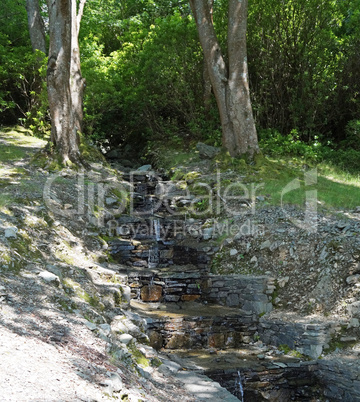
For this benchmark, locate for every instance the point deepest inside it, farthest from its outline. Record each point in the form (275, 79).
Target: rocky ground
(67, 332)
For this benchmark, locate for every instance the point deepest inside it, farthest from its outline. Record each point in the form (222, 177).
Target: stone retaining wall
(167, 286)
(340, 378)
(309, 339)
(201, 332)
(250, 293)
(335, 379)
(282, 382)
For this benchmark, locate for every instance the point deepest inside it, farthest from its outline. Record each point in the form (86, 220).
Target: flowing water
(154, 255)
(239, 387)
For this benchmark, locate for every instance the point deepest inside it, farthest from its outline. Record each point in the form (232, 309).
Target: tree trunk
(206, 76)
(230, 83)
(238, 97)
(77, 82)
(63, 131)
(36, 25)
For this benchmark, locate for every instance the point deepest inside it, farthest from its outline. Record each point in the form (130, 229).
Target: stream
(196, 316)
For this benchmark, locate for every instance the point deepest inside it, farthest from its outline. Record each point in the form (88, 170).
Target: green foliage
(149, 87)
(346, 158)
(144, 70)
(16, 72)
(298, 51)
(36, 118)
(23, 94)
(352, 135)
(273, 143)
(290, 352)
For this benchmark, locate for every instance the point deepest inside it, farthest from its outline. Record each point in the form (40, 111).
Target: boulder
(10, 233)
(216, 341)
(125, 338)
(49, 277)
(113, 154)
(144, 168)
(207, 151)
(156, 340)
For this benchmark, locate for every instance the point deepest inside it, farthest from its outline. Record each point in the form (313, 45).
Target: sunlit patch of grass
(172, 159)
(15, 144)
(11, 153)
(5, 201)
(290, 181)
(21, 137)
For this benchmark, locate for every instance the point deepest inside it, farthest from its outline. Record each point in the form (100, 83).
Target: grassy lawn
(282, 180)
(16, 144)
(335, 189)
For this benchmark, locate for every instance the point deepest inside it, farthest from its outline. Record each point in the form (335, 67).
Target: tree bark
(206, 76)
(77, 82)
(36, 26)
(229, 82)
(63, 131)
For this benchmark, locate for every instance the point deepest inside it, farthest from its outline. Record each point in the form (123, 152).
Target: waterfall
(154, 255)
(239, 387)
(157, 229)
(153, 258)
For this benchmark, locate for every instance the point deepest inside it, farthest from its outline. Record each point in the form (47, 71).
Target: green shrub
(275, 144)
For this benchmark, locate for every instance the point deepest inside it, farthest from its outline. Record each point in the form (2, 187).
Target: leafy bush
(352, 135)
(273, 143)
(346, 159)
(302, 64)
(149, 88)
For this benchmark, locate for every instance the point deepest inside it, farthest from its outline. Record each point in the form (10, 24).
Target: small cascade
(154, 253)
(210, 319)
(151, 283)
(154, 257)
(166, 281)
(157, 229)
(239, 389)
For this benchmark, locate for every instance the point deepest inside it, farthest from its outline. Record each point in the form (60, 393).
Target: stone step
(191, 325)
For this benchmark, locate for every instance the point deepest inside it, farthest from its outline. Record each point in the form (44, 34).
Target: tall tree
(65, 84)
(77, 82)
(36, 25)
(229, 80)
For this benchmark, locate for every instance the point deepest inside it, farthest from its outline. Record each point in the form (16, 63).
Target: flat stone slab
(243, 359)
(203, 388)
(185, 309)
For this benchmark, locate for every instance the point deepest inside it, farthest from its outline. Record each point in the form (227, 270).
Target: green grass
(5, 201)
(172, 159)
(335, 188)
(15, 145)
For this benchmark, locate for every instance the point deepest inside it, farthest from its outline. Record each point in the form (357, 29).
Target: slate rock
(126, 338)
(144, 168)
(353, 279)
(49, 277)
(113, 154)
(10, 233)
(207, 151)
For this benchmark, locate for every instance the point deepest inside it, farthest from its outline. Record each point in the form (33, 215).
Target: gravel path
(32, 370)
